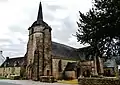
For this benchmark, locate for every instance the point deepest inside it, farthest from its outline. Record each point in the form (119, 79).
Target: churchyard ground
(29, 82)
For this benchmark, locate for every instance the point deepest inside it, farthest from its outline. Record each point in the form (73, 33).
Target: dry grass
(72, 82)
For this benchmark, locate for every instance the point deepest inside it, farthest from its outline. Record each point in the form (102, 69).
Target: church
(47, 58)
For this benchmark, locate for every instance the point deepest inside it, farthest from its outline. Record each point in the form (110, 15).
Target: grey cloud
(67, 29)
(13, 54)
(49, 16)
(54, 7)
(6, 40)
(31, 13)
(50, 10)
(22, 41)
(13, 49)
(3, 0)
(17, 28)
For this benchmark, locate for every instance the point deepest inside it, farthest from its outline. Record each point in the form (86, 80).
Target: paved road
(26, 82)
(6, 83)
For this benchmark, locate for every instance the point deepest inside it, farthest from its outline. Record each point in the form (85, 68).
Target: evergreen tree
(99, 27)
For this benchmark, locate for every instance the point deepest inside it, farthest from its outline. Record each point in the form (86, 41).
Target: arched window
(60, 66)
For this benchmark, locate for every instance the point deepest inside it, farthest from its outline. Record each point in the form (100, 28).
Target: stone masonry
(99, 81)
(39, 62)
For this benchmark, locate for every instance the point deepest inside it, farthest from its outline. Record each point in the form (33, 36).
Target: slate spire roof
(39, 20)
(40, 14)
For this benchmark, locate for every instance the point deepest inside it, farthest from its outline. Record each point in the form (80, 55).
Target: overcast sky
(17, 15)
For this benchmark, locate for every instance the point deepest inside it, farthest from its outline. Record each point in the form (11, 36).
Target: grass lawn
(3, 78)
(73, 82)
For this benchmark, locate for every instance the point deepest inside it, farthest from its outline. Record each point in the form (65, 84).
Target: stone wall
(99, 81)
(55, 66)
(7, 71)
(39, 61)
(87, 68)
(1, 71)
(64, 63)
(31, 47)
(70, 74)
(47, 52)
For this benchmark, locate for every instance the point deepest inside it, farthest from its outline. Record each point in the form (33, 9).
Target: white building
(2, 58)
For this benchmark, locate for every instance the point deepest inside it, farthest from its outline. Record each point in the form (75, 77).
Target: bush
(23, 78)
(14, 77)
(2, 77)
(49, 79)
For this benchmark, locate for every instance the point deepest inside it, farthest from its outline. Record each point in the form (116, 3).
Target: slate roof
(38, 23)
(11, 62)
(118, 60)
(110, 63)
(84, 53)
(66, 52)
(115, 60)
(63, 51)
(71, 66)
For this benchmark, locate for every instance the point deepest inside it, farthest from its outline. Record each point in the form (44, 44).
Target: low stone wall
(49, 79)
(99, 81)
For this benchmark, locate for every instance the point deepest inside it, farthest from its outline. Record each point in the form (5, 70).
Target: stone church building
(47, 58)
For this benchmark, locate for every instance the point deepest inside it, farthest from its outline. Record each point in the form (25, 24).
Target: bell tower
(39, 60)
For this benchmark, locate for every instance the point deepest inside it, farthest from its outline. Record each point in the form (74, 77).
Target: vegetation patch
(73, 82)
(1, 77)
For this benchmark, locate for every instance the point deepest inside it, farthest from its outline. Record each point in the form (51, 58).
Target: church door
(48, 72)
(78, 72)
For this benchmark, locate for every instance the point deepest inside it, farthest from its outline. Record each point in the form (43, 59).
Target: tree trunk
(116, 70)
(95, 65)
(101, 66)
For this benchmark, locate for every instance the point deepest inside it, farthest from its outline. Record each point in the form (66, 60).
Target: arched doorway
(86, 73)
(78, 72)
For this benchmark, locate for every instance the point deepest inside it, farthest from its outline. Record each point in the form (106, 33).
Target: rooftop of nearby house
(112, 62)
(11, 62)
(109, 63)
(118, 60)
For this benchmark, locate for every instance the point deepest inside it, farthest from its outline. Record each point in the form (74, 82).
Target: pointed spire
(40, 14)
